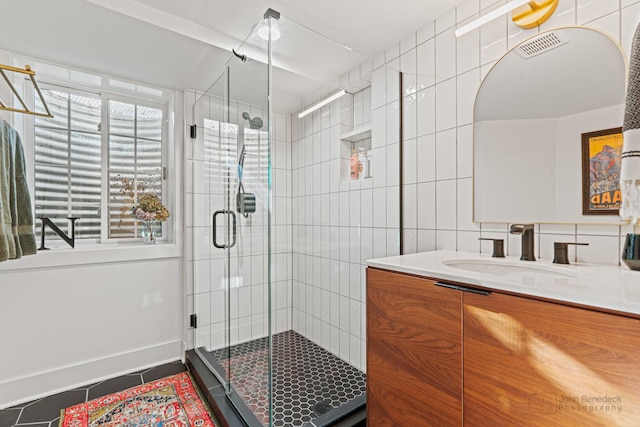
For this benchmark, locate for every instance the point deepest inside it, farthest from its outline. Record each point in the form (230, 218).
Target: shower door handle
(215, 229)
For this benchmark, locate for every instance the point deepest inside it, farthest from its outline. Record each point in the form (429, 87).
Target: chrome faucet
(526, 231)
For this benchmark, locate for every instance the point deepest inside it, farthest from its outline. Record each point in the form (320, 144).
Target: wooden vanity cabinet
(536, 363)
(414, 352)
(525, 362)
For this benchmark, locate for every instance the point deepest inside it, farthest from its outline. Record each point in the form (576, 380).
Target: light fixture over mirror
(524, 13)
(529, 116)
(534, 13)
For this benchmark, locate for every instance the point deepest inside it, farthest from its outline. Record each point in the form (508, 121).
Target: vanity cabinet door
(414, 353)
(534, 363)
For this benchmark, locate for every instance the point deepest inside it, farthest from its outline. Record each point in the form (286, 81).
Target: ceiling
(185, 44)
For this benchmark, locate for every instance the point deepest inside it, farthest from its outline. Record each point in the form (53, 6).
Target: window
(135, 161)
(68, 162)
(83, 168)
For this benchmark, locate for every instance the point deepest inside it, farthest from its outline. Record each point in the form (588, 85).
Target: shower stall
(278, 314)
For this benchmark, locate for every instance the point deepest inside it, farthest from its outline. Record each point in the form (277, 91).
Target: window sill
(93, 254)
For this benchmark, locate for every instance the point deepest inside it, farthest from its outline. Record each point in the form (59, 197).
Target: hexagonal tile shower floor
(308, 380)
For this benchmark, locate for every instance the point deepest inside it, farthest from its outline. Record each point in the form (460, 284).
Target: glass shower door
(211, 178)
(232, 122)
(310, 369)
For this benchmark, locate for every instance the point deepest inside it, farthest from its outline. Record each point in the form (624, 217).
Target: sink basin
(503, 268)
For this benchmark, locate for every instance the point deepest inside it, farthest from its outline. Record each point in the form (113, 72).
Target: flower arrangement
(150, 208)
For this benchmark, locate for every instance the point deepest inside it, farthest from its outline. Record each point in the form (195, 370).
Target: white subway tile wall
(349, 221)
(438, 154)
(326, 227)
(439, 138)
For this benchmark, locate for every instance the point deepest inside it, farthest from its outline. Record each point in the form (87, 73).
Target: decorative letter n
(71, 241)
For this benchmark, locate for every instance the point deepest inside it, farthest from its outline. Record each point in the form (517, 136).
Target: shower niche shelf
(357, 135)
(358, 140)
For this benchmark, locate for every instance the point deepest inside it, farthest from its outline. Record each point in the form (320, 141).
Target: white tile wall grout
(341, 294)
(304, 250)
(441, 30)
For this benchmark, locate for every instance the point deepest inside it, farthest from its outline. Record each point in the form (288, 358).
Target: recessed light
(263, 32)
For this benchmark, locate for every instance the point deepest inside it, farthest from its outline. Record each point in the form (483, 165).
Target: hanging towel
(16, 218)
(630, 163)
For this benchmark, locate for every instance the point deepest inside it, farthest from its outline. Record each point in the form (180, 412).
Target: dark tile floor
(45, 412)
(308, 381)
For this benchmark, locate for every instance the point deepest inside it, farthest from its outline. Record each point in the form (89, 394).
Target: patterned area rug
(172, 401)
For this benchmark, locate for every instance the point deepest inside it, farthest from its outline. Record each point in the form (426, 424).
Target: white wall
(72, 325)
(516, 148)
(452, 69)
(442, 76)
(136, 305)
(71, 317)
(552, 193)
(339, 223)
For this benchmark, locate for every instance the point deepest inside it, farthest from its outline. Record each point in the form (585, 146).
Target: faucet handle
(498, 247)
(561, 251)
(520, 228)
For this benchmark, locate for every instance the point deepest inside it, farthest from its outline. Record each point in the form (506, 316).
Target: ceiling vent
(539, 45)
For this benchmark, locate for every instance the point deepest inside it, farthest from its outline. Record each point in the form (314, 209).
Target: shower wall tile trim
(337, 223)
(441, 75)
(321, 248)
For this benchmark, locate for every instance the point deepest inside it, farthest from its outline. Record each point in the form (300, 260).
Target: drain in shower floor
(322, 407)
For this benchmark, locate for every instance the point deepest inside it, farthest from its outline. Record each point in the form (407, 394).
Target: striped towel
(630, 164)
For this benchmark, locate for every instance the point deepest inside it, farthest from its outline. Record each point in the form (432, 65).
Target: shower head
(255, 123)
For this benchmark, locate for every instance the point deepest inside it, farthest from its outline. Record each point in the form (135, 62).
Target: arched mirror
(530, 114)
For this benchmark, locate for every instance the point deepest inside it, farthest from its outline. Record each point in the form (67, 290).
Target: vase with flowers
(149, 211)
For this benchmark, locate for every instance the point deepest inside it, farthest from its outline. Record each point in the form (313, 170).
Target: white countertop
(599, 286)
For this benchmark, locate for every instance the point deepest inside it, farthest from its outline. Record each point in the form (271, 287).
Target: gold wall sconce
(534, 13)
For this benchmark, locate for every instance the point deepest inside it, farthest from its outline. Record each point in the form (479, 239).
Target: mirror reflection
(530, 113)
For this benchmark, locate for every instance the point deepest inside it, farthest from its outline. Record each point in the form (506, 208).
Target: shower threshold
(311, 386)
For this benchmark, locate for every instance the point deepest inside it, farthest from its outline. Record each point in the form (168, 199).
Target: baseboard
(18, 390)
